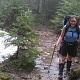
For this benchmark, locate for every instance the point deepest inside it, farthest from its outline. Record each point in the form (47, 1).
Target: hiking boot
(60, 77)
(61, 67)
(68, 66)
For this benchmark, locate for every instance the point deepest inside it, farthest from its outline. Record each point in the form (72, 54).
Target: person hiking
(68, 40)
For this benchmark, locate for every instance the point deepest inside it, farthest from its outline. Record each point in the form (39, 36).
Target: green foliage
(25, 60)
(13, 9)
(16, 21)
(66, 7)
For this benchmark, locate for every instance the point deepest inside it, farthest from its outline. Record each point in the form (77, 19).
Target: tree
(65, 7)
(16, 21)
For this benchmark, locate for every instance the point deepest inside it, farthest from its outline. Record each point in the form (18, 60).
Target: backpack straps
(77, 30)
(66, 29)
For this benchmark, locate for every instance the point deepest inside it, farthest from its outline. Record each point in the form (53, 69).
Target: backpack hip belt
(75, 43)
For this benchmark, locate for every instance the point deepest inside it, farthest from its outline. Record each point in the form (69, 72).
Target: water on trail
(45, 63)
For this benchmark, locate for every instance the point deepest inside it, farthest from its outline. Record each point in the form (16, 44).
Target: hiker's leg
(61, 66)
(62, 59)
(69, 61)
(63, 52)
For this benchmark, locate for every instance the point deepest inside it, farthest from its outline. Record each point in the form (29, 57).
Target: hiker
(68, 39)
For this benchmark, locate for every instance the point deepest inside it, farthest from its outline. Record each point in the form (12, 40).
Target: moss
(3, 76)
(75, 73)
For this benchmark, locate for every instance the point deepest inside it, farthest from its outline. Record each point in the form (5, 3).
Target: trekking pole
(51, 60)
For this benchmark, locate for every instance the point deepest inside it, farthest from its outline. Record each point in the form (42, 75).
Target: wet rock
(13, 77)
(75, 73)
(45, 67)
(26, 77)
(40, 76)
(76, 61)
(32, 77)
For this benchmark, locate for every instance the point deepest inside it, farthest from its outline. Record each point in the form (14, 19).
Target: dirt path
(46, 41)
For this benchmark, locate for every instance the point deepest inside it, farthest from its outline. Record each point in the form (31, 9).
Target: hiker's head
(73, 21)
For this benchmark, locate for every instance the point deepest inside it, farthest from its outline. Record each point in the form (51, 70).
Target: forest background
(20, 18)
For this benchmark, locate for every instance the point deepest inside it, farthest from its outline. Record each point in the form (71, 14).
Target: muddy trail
(45, 63)
(45, 69)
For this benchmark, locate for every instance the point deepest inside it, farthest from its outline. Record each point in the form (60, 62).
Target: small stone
(76, 61)
(39, 76)
(26, 77)
(45, 67)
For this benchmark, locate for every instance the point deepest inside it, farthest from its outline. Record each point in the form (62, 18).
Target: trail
(46, 41)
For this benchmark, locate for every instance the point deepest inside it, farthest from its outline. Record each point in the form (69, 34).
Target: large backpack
(66, 19)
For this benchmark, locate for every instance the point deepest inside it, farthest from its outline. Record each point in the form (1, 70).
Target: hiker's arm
(60, 37)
